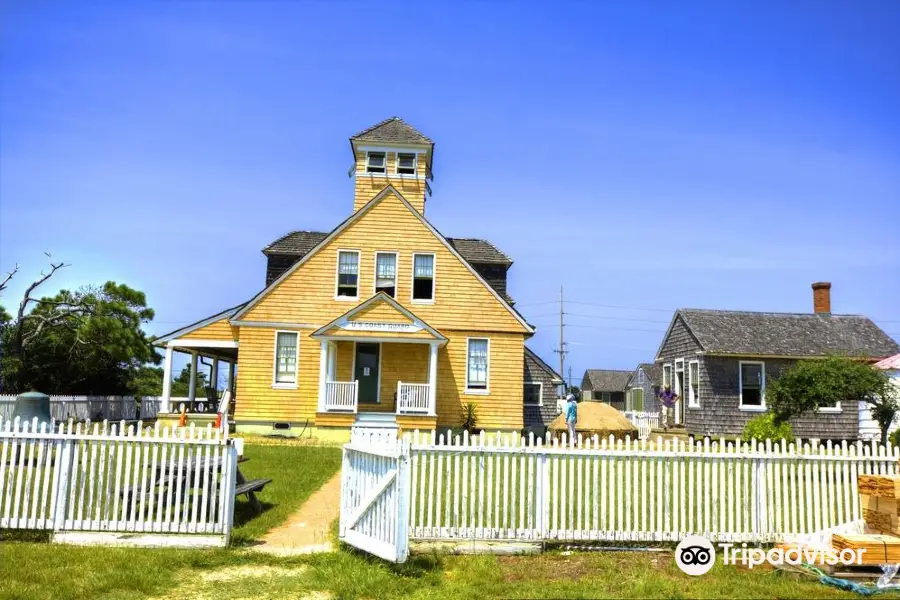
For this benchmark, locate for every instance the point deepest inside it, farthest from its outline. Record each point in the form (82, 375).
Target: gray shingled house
(720, 361)
(642, 388)
(543, 386)
(605, 385)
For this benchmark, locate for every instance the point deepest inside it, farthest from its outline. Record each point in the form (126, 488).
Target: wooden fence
(108, 483)
(81, 408)
(512, 488)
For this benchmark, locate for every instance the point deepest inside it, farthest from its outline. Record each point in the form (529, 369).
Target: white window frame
(487, 377)
(396, 272)
(412, 280)
(640, 377)
(285, 385)
(384, 166)
(762, 386)
(667, 367)
(540, 385)
(693, 402)
(415, 156)
(337, 274)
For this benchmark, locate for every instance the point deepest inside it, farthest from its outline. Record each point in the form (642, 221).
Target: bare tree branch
(8, 277)
(20, 338)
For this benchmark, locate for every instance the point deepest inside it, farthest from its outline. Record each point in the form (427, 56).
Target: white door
(678, 388)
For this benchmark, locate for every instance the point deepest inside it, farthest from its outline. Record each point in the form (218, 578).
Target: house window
(406, 163)
(423, 277)
(636, 398)
(694, 384)
(348, 274)
(667, 376)
(752, 385)
(478, 364)
(374, 162)
(640, 377)
(533, 393)
(286, 358)
(386, 273)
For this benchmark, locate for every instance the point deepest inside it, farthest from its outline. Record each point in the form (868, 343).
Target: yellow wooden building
(381, 315)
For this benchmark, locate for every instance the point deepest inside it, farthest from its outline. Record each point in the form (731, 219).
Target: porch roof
(411, 328)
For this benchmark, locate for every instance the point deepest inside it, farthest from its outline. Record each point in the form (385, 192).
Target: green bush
(894, 438)
(763, 428)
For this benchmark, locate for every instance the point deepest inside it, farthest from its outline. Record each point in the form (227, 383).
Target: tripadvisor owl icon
(695, 555)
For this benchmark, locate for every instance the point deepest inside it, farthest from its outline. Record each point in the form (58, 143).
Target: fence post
(760, 524)
(542, 501)
(404, 490)
(62, 481)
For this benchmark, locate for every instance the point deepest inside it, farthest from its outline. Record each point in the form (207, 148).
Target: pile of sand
(597, 418)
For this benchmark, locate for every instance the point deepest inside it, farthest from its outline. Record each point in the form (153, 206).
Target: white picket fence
(646, 422)
(512, 488)
(80, 408)
(108, 483)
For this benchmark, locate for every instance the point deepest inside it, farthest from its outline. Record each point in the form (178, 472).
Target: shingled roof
(607, 380)
(473, 250)
(786, 334)
(392, 130)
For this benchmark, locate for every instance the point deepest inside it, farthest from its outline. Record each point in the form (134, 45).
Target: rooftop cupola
(394, 153)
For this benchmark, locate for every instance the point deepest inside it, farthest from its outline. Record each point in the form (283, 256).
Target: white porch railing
(414, 398)
(644, 421)
(341, 396)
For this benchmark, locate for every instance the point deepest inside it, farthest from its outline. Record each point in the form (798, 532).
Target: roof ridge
(391, 120)
(767, 312)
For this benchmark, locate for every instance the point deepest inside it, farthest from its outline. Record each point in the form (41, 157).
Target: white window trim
(415, 172)
(762, 386)
(540, 385)
(666, 366)
(337, 273)
(283, 385)
(830, 409)
(487, 375)
(692, 401)
(412, 279)
(384, 166)
(396, 272)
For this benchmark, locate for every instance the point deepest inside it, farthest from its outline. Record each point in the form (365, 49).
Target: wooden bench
(249, 488)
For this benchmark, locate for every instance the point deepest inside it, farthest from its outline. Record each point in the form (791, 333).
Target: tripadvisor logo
(695, 555)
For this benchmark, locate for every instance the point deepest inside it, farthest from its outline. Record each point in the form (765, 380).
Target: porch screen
(386, 274)
(423, 277)
(286, 357)
(348, 274)
(477, 377)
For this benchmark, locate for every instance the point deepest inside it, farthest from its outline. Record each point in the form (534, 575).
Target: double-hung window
(423, 278)
(285, 359)
(667, 376)
(533, 392)
(694, 384)
(406, 163)
(348, 274)
(477, 365)
(386, 273)
(375, 162)
(752, 384)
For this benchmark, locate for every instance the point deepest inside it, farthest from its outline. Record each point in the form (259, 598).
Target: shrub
(894, 438)
(763, 428)
(469, 417)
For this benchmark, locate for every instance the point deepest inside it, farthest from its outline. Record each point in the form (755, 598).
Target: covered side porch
(381, 358)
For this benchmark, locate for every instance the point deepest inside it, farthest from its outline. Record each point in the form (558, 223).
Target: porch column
(432, 379)
(192, 386)
(167, 382)
(323, 372)
(214, 375)
(332, 360)
(231, 385)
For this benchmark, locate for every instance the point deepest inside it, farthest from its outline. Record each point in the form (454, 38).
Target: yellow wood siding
(220, 330)
(413, 422)
(461, 300)
(367, 185)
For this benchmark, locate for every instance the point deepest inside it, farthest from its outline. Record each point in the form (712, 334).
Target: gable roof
(225, 314)
(380, 297)
(557, 378)
(393, 130)
(785, 334)
(607, 380)
(652, 371)
(356, 216)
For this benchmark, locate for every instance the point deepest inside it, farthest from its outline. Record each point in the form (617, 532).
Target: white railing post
(432, 379)
(167, 382)
(323, 367)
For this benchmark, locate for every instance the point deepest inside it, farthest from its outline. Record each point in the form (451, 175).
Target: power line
(657, 331)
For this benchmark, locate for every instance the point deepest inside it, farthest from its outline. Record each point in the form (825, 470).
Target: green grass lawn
(39, 570)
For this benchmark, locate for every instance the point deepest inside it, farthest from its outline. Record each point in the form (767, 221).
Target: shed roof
(786, 334)
(607, 380)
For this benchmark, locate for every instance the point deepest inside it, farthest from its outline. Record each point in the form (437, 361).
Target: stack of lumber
(879, 549)
(879, 497)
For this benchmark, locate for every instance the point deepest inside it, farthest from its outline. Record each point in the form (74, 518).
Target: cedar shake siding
(649, 385)
(538, 418)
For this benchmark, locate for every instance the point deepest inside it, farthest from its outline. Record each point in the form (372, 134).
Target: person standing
(571, 416)
(668, 399)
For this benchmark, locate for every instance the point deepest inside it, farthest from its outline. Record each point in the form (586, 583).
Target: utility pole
(562, 343)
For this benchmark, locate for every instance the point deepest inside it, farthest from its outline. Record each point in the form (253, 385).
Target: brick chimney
(822, 297)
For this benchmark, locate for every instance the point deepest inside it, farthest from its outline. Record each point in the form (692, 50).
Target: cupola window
(406, 163)
(375, 162)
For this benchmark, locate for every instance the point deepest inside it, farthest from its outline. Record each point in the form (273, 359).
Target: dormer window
(374, 162)
(406, 163)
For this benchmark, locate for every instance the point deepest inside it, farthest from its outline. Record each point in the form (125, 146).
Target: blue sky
(646, 155)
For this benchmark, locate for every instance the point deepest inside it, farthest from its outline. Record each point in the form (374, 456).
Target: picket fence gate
(517, 489)
(117, 484)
